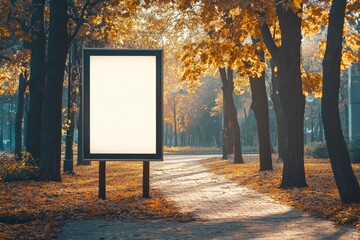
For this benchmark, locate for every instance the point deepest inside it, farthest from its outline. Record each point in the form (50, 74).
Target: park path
(223, 210)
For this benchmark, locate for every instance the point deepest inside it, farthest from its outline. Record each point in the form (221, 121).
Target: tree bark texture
(37, 79)
(292, 97)
(275, 97)
(19, 115)
(261, 110)
(50, 155)
(228, 131)
(228, 89)
(346, 181)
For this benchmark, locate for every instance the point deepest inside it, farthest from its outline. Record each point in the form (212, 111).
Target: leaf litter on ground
(320, 198)
(35, 210)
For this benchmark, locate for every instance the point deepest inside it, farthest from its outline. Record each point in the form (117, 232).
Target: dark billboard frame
(85, 114)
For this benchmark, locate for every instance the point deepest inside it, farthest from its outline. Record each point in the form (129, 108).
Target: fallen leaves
(320, 198)
(192, 150)
(42, 205)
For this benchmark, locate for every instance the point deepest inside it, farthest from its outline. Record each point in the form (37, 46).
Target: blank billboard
(122, 111)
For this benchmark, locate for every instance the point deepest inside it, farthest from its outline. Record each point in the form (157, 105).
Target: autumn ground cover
(203, 150)
(191, 150)
(40, 207)
(320, 198)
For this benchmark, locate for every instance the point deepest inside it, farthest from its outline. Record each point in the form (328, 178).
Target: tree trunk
(70, 142)
(261, 110)
(246, 131)
(26, 114)
(217, 131)
(71, 96)
(227, 131)
(1, 126)
(228, 89)
(321, 129)
(165, 134)
(200, 135)
(175, 120)
(275, 97)
(37, 79)
(19, 116)
(346, 181)
(292, 98)
(10, 131)
(50, 155)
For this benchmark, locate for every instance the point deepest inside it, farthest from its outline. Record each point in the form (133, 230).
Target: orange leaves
(95, 20)
(76, 197)
(4, 32)
(296, 5)
(4, 235)
(312, 83)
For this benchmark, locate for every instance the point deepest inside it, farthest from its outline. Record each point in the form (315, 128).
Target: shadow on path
(224, 210)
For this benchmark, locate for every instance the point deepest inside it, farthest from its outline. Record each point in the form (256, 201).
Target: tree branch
(269, 40)
(87, 6)
(223, 76)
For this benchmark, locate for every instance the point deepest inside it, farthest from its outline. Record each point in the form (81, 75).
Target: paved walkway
(223, 210)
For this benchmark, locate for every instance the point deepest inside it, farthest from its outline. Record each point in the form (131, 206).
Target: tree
(261, 110)
(37, 79)
(275, 98)
(20, 113)
(58, 44)
(227, 79)
(287, 58)
(339, 157)
(50, 153)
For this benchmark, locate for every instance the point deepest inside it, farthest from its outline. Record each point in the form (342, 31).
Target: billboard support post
(102, 180)
(146, 179)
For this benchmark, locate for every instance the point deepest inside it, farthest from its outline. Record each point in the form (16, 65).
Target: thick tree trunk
(261, 110)
(50, 155)
(292, 98)
(19, 115)
(37, 79)
(275, 97)
(228, 89)
(346, 181)
(227, 131)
